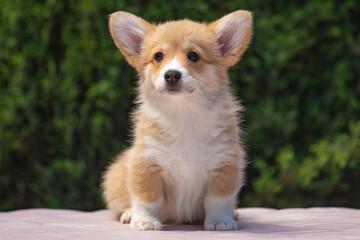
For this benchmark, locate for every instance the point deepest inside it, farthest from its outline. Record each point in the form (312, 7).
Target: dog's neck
(199, 115)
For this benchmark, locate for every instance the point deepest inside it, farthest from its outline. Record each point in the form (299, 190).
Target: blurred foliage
(66, 92)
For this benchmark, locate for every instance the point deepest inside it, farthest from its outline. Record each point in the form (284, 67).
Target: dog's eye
(193, 56)
(158, 56)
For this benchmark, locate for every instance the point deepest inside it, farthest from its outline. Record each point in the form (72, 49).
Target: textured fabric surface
(254, 223)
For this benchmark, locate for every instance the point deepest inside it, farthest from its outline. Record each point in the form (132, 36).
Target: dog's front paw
(218, 223)
(147, 225)
(126, 216)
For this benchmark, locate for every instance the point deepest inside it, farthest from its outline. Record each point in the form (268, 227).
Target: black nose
(172, 76)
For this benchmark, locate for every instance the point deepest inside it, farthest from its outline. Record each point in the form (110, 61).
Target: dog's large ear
(128, 32)
(233, 33)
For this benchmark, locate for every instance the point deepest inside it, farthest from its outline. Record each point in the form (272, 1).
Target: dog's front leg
(146, 186)
(146, 215)
(219, 201)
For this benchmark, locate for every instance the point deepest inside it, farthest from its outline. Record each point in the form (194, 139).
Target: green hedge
(65, 95)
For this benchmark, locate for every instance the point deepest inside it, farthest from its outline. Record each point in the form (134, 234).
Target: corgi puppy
(186, 163)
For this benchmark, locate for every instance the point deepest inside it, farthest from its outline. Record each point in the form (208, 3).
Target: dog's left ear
(128, 32)
(233, 33)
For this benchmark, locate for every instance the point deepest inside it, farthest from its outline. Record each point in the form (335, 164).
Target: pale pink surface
(254, 223)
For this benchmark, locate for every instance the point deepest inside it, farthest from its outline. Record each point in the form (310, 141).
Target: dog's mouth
(173, 89)
(177, 90)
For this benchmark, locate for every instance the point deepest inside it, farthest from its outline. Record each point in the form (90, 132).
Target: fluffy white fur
(146, 216)
(195, 135)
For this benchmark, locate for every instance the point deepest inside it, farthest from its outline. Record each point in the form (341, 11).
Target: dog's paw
(126, 216)
(220, 224)
(236, 215)
(146, 225)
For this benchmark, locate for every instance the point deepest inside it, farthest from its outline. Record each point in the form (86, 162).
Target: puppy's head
(181, 58)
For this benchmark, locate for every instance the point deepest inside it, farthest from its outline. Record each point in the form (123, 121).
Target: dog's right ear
(128, 32)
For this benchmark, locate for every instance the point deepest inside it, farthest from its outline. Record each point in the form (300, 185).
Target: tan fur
(145, 180)
(145, 177)
(226, 180)
(137, 172)
(116, 194)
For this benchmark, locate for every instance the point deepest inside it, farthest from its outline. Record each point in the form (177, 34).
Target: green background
(66, 93)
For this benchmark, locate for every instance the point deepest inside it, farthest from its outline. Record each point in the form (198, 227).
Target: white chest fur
(195, 145)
